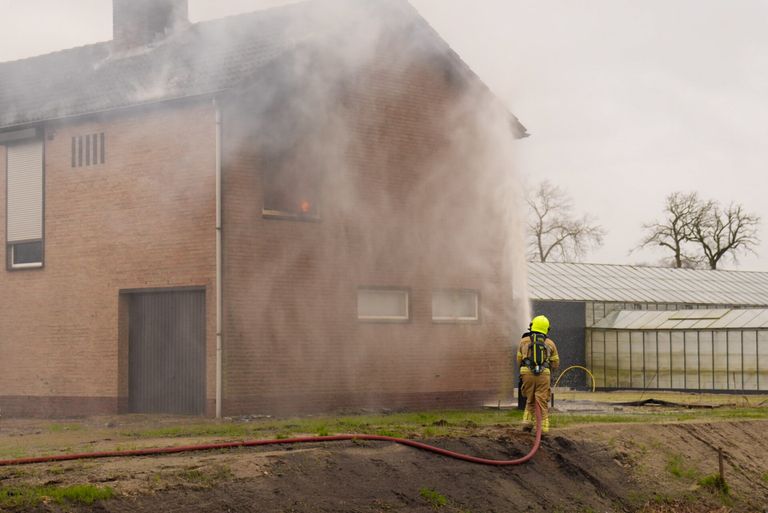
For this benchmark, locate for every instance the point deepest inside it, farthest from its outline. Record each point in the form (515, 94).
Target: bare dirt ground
(584, 467)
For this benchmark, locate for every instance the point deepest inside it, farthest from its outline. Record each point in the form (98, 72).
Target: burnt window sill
(278, 215)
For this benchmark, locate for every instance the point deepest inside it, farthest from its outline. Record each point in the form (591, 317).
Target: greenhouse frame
(657, 328)
(681, 350)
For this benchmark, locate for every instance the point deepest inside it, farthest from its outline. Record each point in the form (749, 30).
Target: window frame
(385, 318)
(457, 320)
(11, 252)
(271, 170)
(7, 139)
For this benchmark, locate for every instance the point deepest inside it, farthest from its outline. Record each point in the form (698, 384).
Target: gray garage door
(167, 352)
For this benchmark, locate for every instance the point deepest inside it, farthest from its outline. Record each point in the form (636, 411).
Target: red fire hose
(253, 443)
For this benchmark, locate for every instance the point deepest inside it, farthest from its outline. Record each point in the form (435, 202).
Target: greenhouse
(654, 327)
(704, 349)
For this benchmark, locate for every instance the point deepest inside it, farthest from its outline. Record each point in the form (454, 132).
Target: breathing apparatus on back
(539, 358)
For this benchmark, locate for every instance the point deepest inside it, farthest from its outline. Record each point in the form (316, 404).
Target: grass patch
(565, 420)
(439, 423)
(25, 496)
(676, 467)
(716, 484)
(193, 430)
(433, 498)
(724, 413)
(60, 428)
(434, 424)
(14, 472)
(12, 453)
(765, 477)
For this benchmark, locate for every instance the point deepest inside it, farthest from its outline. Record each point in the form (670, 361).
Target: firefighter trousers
(536, 388)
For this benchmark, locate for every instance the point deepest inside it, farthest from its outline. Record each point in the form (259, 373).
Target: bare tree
(681, 212)
(720, 232)
(554, 233)
(691, 222)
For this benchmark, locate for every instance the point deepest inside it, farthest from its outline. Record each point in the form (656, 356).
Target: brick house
(293, 210)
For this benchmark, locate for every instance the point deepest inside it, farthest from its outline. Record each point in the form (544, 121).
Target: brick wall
(144, 219)
(404, 204)
(406, 201)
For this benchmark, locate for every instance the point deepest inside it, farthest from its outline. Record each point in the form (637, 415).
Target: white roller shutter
(25, 191)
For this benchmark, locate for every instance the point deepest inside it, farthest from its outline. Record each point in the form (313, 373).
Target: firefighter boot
(527, 421)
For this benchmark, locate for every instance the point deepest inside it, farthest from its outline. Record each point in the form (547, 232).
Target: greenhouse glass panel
(651, 370)
(611, 359)
(678, 360)
(691, 360)
(705, 359)
(599, 311)
(597, 359)
(720, 358)
(762, 319)
(750, 360)
(625, 363)
(663, 355)
(734, 360)
(637, 376)
(762, 360)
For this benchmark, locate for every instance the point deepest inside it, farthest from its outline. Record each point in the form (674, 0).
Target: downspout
(219, 301)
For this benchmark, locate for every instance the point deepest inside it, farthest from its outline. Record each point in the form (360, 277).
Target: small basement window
(453, 305)
(25, 255)
(381, 304)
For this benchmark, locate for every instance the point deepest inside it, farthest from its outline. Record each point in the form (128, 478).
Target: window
(88, 150)
(290, 192)
(454, 305)
(381, 304)
(24, 222)
(26, 254)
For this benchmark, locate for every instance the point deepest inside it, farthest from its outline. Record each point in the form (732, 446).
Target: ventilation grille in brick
(88, 150)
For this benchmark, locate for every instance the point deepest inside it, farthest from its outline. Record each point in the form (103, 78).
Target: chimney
(137, 23)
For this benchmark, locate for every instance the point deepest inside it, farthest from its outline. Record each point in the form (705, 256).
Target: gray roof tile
(206, 58)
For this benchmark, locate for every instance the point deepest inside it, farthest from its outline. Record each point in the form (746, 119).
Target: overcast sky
(626, 100)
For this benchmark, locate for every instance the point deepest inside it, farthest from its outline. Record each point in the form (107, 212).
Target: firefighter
(536, 355)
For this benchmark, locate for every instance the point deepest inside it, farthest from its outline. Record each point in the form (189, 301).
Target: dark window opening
(26, 254)
(290, 192)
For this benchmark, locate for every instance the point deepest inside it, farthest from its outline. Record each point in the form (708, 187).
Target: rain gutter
(219, 302)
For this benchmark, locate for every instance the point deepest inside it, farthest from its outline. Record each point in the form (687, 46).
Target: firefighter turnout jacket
(524, 352)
